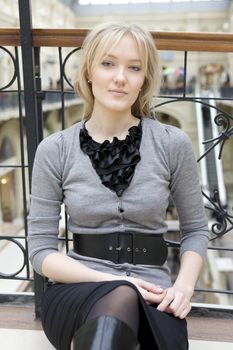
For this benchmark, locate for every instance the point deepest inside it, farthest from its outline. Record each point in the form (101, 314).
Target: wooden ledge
(19, 317)
(210, 329)
(199, 328)
(172, 41)
(9, 37)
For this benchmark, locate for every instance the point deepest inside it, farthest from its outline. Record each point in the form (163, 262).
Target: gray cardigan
(62, 173)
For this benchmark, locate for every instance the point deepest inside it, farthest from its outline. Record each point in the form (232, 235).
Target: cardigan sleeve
(186, 193)
(46, 199)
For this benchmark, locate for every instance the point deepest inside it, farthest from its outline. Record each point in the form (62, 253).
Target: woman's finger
(153, 294)
(177, 303)
(150, 287)
(181, 312)
(151, 298)
(185, 312)
(166, 300)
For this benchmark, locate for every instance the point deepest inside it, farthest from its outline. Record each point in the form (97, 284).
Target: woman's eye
(107, 64)
(135, 68)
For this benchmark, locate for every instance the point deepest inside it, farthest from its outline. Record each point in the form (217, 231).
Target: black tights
(121, 303)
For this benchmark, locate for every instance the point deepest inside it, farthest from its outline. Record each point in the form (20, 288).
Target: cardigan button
(121, 210)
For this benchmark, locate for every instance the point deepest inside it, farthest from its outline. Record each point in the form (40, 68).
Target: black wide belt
(119, 247)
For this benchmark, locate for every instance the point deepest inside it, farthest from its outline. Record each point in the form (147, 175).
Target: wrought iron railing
(25, 91)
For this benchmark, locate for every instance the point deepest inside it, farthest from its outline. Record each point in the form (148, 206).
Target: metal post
(40, 95)
(31, 111)
(29, 80)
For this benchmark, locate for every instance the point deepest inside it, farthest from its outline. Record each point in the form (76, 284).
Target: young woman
(115, 171)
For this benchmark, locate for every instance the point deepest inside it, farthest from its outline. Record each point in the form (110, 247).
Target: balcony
(51, 101)
(211, 321)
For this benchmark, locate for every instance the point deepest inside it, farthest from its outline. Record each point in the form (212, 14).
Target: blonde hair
(97, 44)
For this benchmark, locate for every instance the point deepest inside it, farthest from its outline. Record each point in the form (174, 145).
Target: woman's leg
(121, 303)
(66, 308)
(112, 323)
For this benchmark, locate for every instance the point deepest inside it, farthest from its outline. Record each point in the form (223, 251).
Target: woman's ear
(89, 78)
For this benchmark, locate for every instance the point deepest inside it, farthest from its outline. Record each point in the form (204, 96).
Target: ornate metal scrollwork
(222, 120)
(64, 66)
(20, 246)
(224, 221)
(15, 69)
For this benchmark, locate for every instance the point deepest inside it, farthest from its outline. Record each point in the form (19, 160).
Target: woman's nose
(120, 76)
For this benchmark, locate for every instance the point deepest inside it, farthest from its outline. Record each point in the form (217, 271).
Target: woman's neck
(105, 126)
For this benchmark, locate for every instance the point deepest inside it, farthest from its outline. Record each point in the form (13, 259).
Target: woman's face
(118, 77)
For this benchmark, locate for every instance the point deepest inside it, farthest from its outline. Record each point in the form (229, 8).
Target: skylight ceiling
(109, 2)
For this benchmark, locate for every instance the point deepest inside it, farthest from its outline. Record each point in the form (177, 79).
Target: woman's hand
(177, 298)
(176, 301)
(153, 294)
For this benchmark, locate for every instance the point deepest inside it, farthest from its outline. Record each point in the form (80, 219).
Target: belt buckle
(135, 248)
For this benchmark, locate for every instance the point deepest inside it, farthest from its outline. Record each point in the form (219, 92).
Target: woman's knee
(125, 294)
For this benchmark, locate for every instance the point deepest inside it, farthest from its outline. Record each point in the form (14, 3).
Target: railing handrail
(177, 41)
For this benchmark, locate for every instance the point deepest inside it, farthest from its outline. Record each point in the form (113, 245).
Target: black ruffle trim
(114, 161)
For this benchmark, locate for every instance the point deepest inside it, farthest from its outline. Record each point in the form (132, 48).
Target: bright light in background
(109, 2)
(4, 181)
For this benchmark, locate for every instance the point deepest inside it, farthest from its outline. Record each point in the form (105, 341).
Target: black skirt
(66, 306)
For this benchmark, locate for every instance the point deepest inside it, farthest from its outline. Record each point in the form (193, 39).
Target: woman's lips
(118, 92)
